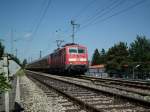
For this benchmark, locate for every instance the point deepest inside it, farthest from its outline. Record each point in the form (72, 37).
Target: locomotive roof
(72, 44)
(69, 44)
(36, 60)
(56, 50)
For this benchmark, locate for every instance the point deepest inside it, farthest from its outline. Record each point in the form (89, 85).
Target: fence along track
(91, 100)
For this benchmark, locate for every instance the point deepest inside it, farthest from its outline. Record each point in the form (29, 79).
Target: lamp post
(134, 69)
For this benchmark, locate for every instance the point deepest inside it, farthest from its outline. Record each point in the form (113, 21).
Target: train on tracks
(70, 58)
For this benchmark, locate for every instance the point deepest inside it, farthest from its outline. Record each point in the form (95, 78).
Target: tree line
(121, 59)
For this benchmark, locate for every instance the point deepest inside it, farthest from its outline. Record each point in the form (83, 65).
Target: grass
(21, 72)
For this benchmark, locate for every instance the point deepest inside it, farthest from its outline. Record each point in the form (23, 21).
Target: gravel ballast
(34, 99)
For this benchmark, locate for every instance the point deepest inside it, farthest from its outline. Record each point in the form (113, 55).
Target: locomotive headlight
(72, 59)
(83, 59)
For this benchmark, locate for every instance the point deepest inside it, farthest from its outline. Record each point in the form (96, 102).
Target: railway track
(60, 102)
(131, 83)
(137, 87)
(89, 98)
(134, 89)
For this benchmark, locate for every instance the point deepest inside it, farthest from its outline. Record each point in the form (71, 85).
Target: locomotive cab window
(81, 50)
(72, 50)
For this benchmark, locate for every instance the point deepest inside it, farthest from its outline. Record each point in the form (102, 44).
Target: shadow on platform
(17, 107)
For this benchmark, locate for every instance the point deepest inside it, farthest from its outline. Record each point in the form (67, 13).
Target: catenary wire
(115, 14)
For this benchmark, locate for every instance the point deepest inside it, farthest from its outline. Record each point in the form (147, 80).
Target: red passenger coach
(71, 58)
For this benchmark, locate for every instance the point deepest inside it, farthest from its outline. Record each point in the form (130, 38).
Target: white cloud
(28, 35)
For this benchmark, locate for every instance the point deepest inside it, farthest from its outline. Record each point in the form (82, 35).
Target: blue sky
(33, 23)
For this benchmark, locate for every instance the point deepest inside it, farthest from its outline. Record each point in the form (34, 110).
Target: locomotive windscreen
(81, 50)
(73, 50)
(76, 50)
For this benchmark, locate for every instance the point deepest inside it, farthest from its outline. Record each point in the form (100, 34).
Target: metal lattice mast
(73, 29)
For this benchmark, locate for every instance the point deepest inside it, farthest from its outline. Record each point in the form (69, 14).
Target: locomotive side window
(72, 50)
(81, 50)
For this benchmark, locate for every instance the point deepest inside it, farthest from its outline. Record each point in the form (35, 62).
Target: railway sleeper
(86, 105)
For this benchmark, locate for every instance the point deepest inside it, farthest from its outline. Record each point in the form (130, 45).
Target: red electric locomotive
(71, 58)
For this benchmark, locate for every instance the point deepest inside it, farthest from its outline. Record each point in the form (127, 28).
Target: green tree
(102, 56)
(96, 58)
(1, 49)
(4, 85)
(139, 51)
(103, 52)
(24, 63)
(117, 57)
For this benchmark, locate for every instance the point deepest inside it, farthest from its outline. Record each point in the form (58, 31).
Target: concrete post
(6, 71)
